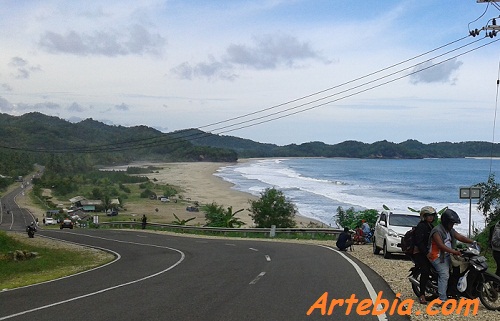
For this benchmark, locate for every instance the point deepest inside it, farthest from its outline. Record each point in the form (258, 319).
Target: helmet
(450, 216)
(427, 210)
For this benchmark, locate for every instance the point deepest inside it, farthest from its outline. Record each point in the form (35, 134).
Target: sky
(274, 71)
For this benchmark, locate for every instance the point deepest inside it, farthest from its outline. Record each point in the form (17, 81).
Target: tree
(217, 216)
(106, 202)
(273, 209)
(178, 221)
(489, 202)
(351, 219)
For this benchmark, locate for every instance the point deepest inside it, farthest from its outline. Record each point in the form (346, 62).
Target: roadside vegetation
(24, 262)
(67, 177)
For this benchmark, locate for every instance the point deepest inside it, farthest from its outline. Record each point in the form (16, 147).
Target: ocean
(318, 186)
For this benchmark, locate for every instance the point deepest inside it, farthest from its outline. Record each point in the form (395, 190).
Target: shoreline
(198, 183)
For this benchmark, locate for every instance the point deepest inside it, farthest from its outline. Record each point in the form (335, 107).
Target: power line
(355, 87)
(495, 118)
(334, 87)
(159, 140)
(193, 136)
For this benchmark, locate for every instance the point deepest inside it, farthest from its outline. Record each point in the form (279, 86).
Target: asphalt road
(167, 277)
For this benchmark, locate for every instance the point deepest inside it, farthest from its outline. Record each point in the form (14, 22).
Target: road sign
(470, 193)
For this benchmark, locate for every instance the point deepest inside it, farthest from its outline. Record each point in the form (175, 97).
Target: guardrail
(270, 232)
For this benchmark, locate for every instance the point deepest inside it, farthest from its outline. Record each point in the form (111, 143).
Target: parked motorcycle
(469, 279)
(31, 229)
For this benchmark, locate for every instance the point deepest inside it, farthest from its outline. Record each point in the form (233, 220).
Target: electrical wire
(485, 10)
(355, 87)
(334, 87)
(355, 93)
(300, 98)
(158, 140)
(494, 119)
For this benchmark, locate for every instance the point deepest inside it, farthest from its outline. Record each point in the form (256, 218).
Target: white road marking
(229, 244)
(251, 248)
(268, 258)
(261, 274)
(368, 285)
(107, 289)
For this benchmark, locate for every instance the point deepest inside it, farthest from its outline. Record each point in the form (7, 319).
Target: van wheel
(376, 249)
(387, 254)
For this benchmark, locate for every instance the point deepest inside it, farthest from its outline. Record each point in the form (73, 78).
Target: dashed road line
(261, 274)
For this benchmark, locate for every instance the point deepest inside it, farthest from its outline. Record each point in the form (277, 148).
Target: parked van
(390, 228)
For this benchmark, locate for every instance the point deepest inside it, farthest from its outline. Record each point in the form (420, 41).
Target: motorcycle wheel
(429, 295)
(490, 292)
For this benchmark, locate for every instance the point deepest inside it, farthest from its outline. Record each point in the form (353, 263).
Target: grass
(50, 263)
(241, 234)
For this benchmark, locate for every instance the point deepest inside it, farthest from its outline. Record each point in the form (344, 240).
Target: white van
(390, 228)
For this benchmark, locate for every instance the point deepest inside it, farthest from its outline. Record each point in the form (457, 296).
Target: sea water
(318, 186)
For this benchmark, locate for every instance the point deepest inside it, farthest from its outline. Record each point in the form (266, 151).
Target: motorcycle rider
(31, 229)
(422, 232)
(442, 241)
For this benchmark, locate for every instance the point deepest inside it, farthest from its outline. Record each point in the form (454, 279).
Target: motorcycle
(31, 229)
(469, 279)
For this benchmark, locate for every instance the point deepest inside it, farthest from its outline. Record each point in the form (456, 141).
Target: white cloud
(6, 87)
(95, 58)
(23, 68)
(122, 107)
(267, 52)
(41, 107)
(75, 107)
(430, 73)
(5, 105)
(136, 40)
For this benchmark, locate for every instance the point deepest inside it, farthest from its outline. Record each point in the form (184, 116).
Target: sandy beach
(196, 183)
(199, 184)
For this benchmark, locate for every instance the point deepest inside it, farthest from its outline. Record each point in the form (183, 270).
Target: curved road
(167, 277)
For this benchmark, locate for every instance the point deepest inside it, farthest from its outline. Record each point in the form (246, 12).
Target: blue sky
(190, 64)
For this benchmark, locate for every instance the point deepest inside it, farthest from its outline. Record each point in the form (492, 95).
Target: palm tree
(217, 216)
(178, 221)
(228, 219)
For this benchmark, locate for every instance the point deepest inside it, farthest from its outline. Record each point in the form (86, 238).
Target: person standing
(442, 241)
(495, 246)
(420, 247)
(366, 231)
(345, 240)
(144, 220)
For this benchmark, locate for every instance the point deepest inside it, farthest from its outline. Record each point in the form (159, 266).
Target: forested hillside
(352, 149)
(38, 138)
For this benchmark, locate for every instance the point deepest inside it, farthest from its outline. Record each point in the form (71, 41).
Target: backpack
(407, 242)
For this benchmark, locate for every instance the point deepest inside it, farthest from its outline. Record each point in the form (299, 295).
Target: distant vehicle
(50, 221)
(164, 199)
(112, 213)
(390, 228)
(66, 223)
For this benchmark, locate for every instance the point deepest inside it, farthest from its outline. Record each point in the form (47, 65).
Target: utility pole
(493, 28)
